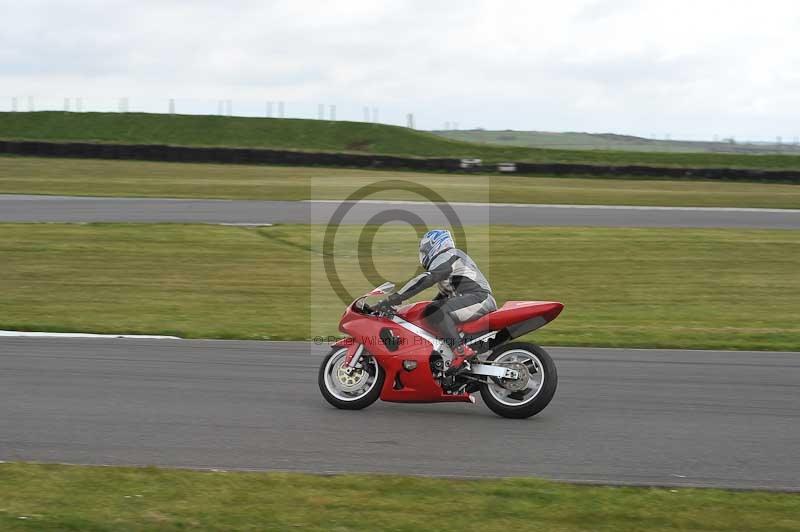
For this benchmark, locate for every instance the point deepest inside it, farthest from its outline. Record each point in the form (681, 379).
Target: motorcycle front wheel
(350, 388)
(527, 395)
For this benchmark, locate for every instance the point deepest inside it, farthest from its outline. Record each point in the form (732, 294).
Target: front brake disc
(350, 381)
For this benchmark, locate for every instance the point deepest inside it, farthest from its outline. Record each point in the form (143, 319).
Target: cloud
(690, 68)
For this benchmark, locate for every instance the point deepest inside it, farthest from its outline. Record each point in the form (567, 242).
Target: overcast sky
(688, 68)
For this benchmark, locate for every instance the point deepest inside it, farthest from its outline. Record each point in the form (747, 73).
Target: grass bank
(84, 177)
(679, 288)
(55, 497)
(610, 141)
(340, 136)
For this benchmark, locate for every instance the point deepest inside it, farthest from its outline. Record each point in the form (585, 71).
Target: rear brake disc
(521, 382)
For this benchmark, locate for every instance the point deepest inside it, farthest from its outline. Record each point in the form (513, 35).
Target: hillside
(319, 135)
(610, 141)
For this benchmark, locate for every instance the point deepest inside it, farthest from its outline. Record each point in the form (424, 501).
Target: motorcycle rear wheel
(537, 393)
(352, 391)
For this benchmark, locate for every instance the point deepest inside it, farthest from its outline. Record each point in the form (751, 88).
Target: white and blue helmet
(433, 243)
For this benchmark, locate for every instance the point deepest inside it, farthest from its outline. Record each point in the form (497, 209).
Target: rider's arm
(423, 281)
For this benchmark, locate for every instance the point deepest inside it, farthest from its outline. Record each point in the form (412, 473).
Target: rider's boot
(461, 362)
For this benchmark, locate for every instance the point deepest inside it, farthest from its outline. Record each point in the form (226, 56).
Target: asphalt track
(26, 208)
(683, 418)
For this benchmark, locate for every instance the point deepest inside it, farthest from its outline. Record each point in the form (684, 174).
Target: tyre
(354, 390)
(532, 392)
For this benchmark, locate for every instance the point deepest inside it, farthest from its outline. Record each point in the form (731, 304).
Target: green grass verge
(320, 135)
(86, 177)
(679, 288)
(56, 497)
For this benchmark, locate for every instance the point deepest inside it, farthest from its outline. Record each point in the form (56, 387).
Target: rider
(464, 293)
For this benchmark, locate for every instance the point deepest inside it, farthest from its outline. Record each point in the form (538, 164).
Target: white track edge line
(27, 334)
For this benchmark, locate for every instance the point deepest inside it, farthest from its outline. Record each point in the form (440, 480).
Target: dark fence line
(150, 152)
(740, 174)
(144, 152)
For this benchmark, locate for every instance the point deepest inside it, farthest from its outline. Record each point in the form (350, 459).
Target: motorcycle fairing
(400, 385)
(414, 312)
(416, 385)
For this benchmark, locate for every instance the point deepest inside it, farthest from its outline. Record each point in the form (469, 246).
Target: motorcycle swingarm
(493, 371)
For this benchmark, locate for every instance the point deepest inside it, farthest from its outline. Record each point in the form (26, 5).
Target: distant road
(685, 418)
(27, 208)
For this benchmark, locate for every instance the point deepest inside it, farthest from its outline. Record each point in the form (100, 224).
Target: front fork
(353, 356)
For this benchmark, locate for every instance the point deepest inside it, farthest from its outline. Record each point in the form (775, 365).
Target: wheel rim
(353, 385)
(527, 393)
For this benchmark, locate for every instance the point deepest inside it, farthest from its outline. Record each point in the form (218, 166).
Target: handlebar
(361, 305)
(386, 312)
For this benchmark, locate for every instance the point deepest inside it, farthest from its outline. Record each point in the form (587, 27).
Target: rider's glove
(395, 299)
(389, 302)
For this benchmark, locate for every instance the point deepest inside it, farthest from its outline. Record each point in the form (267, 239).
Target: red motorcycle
(394, 355)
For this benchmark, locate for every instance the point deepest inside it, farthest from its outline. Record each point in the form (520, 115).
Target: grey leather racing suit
(464, 293)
